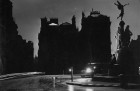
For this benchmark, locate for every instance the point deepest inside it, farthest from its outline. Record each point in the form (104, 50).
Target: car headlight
(94, 67)
(88, 70)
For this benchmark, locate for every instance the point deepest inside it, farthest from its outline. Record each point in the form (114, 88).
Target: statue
(127, 36)
(113, 59)
(124, 54)
(123, 37)
(120, 7)
(120, 35)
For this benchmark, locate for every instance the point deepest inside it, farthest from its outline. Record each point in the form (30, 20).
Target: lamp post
(71, 70)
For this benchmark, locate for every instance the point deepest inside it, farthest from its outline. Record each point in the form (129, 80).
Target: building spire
(74, 21)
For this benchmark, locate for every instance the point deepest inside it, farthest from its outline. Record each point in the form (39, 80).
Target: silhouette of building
(16, 52)
(8, 25)
(62, 45)
(1, 49)
(57, 45)
(95, 37)
(1, 39)
(135, 49)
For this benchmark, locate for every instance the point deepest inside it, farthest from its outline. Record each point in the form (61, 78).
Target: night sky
(27, 14)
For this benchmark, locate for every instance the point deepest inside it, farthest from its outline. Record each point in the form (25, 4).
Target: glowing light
(53, 24)
(88, 70)
(70, 70)
(94, 67)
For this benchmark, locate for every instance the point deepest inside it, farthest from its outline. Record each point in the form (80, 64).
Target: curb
(19, 75)
(93, 85)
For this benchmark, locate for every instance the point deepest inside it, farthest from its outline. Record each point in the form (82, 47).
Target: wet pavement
(79, 88)
(86, 84)
(46, 83)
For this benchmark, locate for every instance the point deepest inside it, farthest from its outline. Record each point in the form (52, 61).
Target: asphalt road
(30, 82)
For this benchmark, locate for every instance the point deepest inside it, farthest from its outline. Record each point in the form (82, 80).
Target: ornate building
(62, 45)
(95, 34)
(57, 45)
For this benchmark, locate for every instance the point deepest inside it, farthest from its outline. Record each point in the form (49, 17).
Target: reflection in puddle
(78, 88)
(89, 89)
(70, 88)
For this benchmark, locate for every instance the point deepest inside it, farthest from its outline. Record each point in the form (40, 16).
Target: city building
(96, 35)
(135, 49)
(62, 46)
(57, 45)
(15, 53)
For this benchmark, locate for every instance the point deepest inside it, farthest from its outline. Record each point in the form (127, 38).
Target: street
(88, 85)
(56, 83)
(79, 88)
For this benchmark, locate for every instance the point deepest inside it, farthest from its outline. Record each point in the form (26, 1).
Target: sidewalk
(113, 79)
(15, 75)
(99, 83)
(90, 83)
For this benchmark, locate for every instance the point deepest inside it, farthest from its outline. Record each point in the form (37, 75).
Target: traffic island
(97, 84)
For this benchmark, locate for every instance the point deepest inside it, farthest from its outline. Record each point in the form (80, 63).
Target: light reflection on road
(78, 88)
(70, 88)
(88, 89)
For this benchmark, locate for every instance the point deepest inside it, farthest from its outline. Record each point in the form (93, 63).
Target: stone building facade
(63, 45)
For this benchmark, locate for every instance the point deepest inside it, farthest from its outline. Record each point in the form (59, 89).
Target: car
(92, 69)
(87, 72)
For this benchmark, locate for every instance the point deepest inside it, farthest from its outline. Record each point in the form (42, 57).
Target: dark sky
(27, 14)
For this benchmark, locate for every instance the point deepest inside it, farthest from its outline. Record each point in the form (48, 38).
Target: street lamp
(71, 70)
(139, 70)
